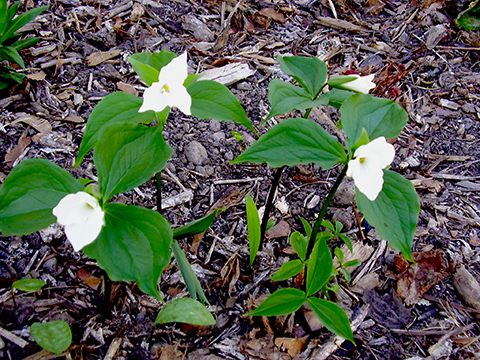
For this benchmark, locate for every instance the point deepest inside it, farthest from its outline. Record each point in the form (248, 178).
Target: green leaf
(30, 192)
(281, 302)
(362, 140)
(9, 53)
(293, 142)
(212, 100)
(288, 270)
(336, 97)
(340, 80)
(9, 78)
(20, 21)
(118, 107)
(394, 213)
(253, 224)
(285, 97)
(339, 254)
(319, 267)
(133, 246)
(185, 310)
(148, 66)
(299, 244)
(355, 263)
(54, 336)
(191, 280)
(310, 72)
(270, 224)
(347, 241)
(328, 225)
(379, 117)
(28, 285)
(347, 275)
(338, 226)
(469, 19)
(22, 44)
(307, 227)
(332, 316)
(132, 154)
(195, 227)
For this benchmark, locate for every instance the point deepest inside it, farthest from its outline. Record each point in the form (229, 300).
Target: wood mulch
(426, 310)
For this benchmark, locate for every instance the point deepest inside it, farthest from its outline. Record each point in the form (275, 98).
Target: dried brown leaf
(272, 14)
(16, 151)
(97, 58)
(37, 76)
(127, 88)
(282, 229)
(414, 279)
(292, 345)
(90, 280)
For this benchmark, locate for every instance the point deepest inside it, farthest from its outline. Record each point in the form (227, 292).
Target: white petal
(175, 72)
(362, 84)
(378, 151)
(82, 234)
(154, 98)
(180, 98)
(82, 217)
(73, 208)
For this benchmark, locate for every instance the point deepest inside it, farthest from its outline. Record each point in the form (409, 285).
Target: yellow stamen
(362, 159)
(166, 88)
(90, 206)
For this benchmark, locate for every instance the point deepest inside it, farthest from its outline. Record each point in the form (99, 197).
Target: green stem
(307, 113)
(159, 191)
(269, 203)
(323, 210)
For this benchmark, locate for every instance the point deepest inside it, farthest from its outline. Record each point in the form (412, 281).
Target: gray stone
(345, 216)
(346, 193)
(215, 125)
(196, 153)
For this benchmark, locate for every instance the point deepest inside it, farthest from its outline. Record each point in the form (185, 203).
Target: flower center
(165, 88)
(362, 159)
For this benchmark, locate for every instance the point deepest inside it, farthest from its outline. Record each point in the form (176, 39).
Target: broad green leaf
(30, 192)
(148, 66)
(285, 97)
(338, 80)
(394, 213)
(299, 244)
(130, 156)
(336, 97)
(253, 224)
(54, 336)
(118, 107)
(212, 100)
(191, 280)
(20, 21)
(281, 302)
(332, 316)
(338, 226)
(28, 285)
(310, 72)
(470, 18)
(134, 245)
(294, 142)
(379, 117)
(319, 267)
(287, 270)
(3, 13)
(7, 78)
(196, 226)
(9, 53)
(185, 310)
(270, 224)
(328, 225)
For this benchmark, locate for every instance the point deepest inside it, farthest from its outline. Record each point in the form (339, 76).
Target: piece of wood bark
(468, 287)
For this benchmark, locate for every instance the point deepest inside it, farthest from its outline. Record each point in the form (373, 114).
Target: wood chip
(41, 125)
(228, 74)
(97, 58)
(38, 76)
(127, 88)
(341, 24)
(15, 153)
(181, 198)
(13, 338)
(468, 287)
(75, 119)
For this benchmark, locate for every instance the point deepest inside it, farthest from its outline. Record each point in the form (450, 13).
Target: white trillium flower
(362, 84)
(169, 90)
(82, 217)
(366, 168)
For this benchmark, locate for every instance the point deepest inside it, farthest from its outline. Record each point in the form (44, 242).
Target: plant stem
(269, 203)
(323, 210)
(307, 113)
(159, 191)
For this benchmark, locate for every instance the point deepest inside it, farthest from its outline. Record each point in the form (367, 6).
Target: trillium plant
(133, 243)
